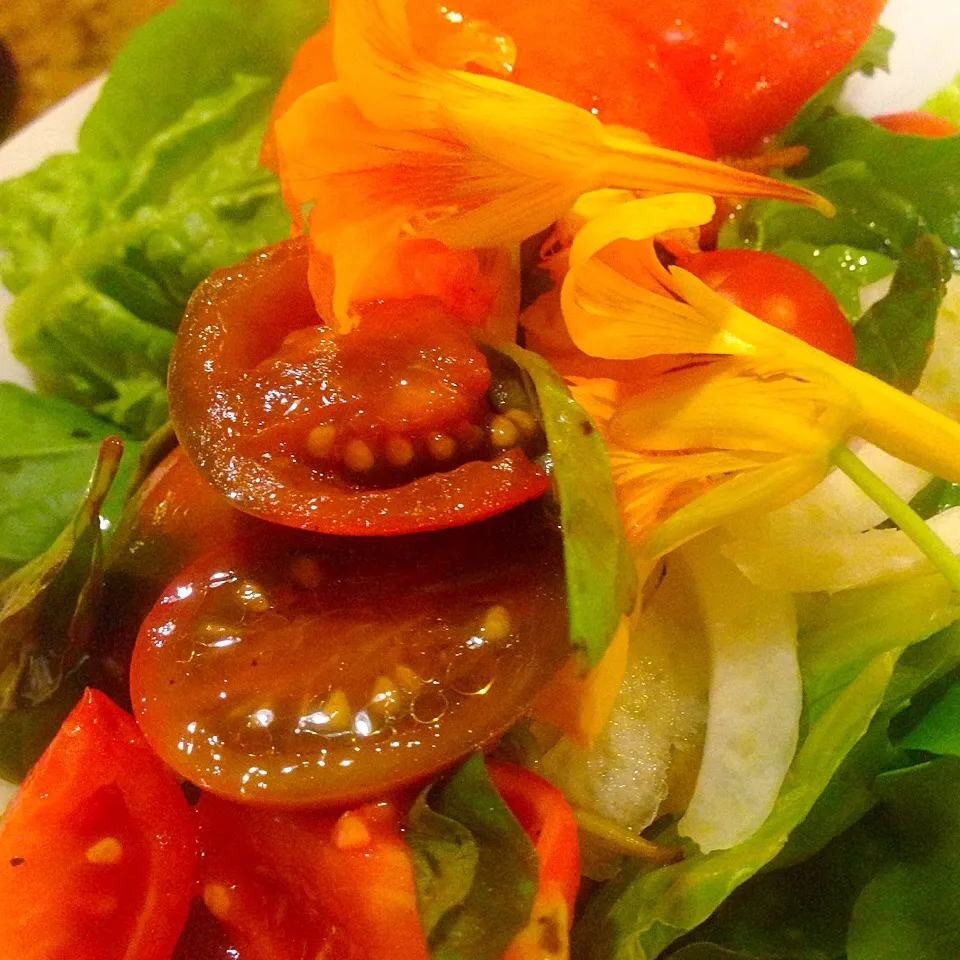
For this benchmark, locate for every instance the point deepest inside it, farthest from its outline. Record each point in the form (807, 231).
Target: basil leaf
(893, 336)
(938, 731)
(48, 607)
(494, 873)
(44, 470)
(600, 573)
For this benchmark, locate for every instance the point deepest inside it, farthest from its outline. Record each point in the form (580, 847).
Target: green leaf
(946, 102)
(600, 573)
(910, 909)
(872, 56)
(938, 495)
(48, 607)
(939, 730)
(44, 470)
(893, 337)
(462, 833)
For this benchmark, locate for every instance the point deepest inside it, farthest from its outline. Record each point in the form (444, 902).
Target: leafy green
(48, 607)
(893, 337)
(103, 247)
(600, 573)
(44, 470)
(872, 56)
(475, 867)
(938, 731)
(946, 102)
(938, 495)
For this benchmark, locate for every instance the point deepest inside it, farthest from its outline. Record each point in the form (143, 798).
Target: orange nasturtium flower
(736, 416)
(400, 146)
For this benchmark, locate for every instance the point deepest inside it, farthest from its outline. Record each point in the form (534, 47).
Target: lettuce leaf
(103, 247)
(946, 102)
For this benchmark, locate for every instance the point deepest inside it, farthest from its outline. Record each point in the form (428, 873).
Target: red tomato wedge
(918, 122)
(98, 849)
(291, 885)
(381, 431)
(748, 65)
(297, 669)
(779, 291)
(546, 816)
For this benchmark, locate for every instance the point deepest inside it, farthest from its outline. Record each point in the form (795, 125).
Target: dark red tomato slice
(292, 884)
(384, 430)
(584, 52)
(779, 291)
(747, 67)
(918, 122)
(174, 517)
(546, 816)
(98, 849)
(323, 670)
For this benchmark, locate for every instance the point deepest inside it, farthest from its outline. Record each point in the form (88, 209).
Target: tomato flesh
(293, 884)
(381, 431)
(918, 122)
(779, 291)
(98, 849)
(322, 670)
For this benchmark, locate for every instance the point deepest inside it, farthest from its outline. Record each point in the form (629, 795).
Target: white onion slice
(754, 702)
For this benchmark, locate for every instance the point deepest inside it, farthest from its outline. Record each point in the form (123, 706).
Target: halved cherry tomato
(748, 67)
(384, 430)
(779, 291)
(98, 849)
(298, 669)
(291, 885)
(548, 820)
(917, 122)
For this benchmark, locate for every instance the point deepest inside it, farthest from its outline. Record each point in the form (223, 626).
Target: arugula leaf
(44, 470)
(104, 247)
(48, 607)
(600, 573)
(461, 833)
(893, 337)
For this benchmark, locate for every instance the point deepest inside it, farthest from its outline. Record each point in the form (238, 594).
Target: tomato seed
(321, 440)
(109, 850)
(503, 432)
(398, 451)
(359, 456)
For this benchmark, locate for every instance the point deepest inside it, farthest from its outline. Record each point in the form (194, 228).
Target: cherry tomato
(98, 849)
(779, 291)
(322, 670)
(583, 52)
(546, 816)
(917, 122)
(384, 430)
(747, 67)
(293, 884)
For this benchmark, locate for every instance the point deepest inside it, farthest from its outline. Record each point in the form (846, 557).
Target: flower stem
(901, 513)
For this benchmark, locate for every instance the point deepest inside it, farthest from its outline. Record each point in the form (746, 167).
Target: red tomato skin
(98, 772)
(286, 882)
(917, 122)
(779, 291)
(236, 321)
(748, 65)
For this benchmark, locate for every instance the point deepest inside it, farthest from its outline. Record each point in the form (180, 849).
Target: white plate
(925, 58)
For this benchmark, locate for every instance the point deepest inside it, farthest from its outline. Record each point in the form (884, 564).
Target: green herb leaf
(48, 607)
(601, 576)
(463, 833)
(893, 337)
(938, 731)
(44, 471)
(946, 102)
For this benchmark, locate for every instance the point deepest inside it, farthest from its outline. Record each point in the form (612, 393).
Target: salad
(512, 531)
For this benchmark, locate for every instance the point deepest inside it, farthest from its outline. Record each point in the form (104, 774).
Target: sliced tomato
(918, 122)
(98, 849)
(298, 669)
(291, 885)
(546, 816)
(384, 430)
(748, 67)
(779, 291)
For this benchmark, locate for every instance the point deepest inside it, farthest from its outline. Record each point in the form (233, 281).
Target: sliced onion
(754, 702)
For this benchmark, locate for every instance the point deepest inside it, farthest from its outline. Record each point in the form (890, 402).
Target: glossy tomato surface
(748, 65)
(321, 670)
(779, 291)
(293, 884)
(383, 430)
(98, 849)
